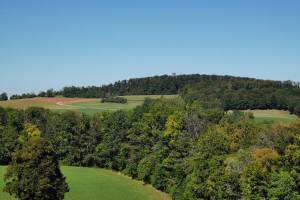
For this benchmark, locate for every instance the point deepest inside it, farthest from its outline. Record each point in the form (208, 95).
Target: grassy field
(133, 101)
(88, 106)
(100, 184)
(273, 116)
(92, 106)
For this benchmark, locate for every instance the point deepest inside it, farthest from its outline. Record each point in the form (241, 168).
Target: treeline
(188, 150)
(48, 93)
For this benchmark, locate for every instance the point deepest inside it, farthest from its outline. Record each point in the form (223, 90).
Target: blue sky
(56, 43)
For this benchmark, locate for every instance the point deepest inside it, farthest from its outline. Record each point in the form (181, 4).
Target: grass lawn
(273, 116)
(100, 184)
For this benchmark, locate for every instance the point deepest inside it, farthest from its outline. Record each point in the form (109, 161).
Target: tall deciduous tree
(34, 173)
(3, 97)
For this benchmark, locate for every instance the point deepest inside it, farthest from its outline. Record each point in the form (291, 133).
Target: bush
(114, 100)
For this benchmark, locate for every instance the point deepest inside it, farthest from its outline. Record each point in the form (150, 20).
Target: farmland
(100, 184)
(92, 105)
(83, 105)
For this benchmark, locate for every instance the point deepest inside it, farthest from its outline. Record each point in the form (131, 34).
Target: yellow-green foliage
(265, 158)
(174, 125)
(30, 132)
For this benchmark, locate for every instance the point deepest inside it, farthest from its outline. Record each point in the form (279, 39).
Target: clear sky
(55, 43)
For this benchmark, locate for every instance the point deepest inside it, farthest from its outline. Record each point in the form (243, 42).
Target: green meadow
(133, 101)
(100, 184)
(273, 116)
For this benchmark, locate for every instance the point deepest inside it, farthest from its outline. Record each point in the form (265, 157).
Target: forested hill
(166, 84)
(227, 92)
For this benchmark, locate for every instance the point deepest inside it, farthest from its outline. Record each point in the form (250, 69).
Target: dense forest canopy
(186, 149)
(164, 85)
(227, 92)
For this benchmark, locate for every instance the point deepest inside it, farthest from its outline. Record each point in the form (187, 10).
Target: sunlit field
(83, 105)
(100, 184)
(273, 116)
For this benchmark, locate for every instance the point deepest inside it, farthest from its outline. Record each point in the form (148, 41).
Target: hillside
(166, 84)
(226, 92)
(88, 106)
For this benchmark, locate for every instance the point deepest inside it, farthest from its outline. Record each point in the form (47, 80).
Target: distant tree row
(48, 93)
(114, 100)
(186, 149)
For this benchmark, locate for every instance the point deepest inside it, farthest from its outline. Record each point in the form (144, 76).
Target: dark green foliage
(48, 93)
(74, 137)
(23, 96)
(162, 85)
(158, 85)
(113, 100)
(34, 173)
(3, 117)
(37, 116)
(3, 97)
(234, 93)
(112, 152)
(8, 143)
(191, 150)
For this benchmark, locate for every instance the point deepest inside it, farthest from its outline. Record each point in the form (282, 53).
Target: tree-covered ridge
(186, 149)
(163, 85)
(227, 92)
(166, 84)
